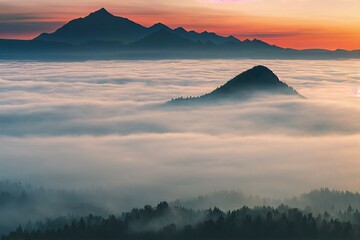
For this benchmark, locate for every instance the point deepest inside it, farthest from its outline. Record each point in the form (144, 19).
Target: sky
(328, 24)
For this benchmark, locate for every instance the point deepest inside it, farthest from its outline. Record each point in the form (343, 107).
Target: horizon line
(174, 28)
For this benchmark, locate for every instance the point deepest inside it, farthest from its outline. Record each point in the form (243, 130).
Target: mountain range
(102, 25)
(103, 35)
(255, 81)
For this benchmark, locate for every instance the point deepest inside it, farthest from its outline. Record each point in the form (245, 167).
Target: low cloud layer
(102, 124)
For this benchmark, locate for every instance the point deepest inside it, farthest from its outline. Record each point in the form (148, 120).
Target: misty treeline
(166, 222)
(317, 201)
(20, 203)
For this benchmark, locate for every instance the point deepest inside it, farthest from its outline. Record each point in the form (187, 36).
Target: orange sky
(329, 24)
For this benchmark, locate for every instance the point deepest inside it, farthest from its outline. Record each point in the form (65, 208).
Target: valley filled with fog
(77, 125)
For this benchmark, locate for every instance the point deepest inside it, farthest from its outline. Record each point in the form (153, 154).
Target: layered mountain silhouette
(258, 80)
(163, 39)
(101, 35)
(205, 37)
(99, 25)
(102, 25)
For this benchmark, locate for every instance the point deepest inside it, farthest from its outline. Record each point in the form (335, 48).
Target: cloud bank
(101, 124)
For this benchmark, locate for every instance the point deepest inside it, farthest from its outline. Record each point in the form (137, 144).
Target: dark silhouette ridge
(164, 222)
(103, 36)
(99, 25)
(102, 25)
(163, 39)
(255, 81)
(101, 13)
(257, 43)
(158, 27)
(205, 37)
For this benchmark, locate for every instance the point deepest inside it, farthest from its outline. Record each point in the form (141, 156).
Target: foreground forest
(165, 222)
(37, 213)
(103, 201)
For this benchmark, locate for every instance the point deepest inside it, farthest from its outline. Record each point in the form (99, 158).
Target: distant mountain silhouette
(101, 35)
(257, 80)
(257, 43)
(163, 39)
(158, 27)
(99, 25)
(205, 37)
(102, 25)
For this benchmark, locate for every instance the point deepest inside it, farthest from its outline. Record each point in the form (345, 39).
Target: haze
(82, 124)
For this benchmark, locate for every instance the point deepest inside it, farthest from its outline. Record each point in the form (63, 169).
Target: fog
(81, 124)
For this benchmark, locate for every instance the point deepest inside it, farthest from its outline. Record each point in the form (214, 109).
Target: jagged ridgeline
(165, 222)
(258, 80)
(102, 35)
(103, 26)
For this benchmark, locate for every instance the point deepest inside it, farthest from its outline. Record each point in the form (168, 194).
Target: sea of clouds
(102, 123)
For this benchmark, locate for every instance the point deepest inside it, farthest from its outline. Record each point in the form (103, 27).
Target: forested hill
(256, 81)
(165, 222)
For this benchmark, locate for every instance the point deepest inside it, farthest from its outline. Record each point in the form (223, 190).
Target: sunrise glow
(331, 24)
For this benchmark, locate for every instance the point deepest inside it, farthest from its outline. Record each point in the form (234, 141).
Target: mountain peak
(99, 25)
(102, 12)
(257, 80)
(181, 29)
(260, 69)
(103, 26)
(159, 26)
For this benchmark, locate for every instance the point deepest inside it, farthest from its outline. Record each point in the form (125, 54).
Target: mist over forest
(31, 206)
(97, 139)
(103, 124)
(179, 120)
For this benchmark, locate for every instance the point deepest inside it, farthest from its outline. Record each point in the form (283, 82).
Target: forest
(166, 222)
(40, 213)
